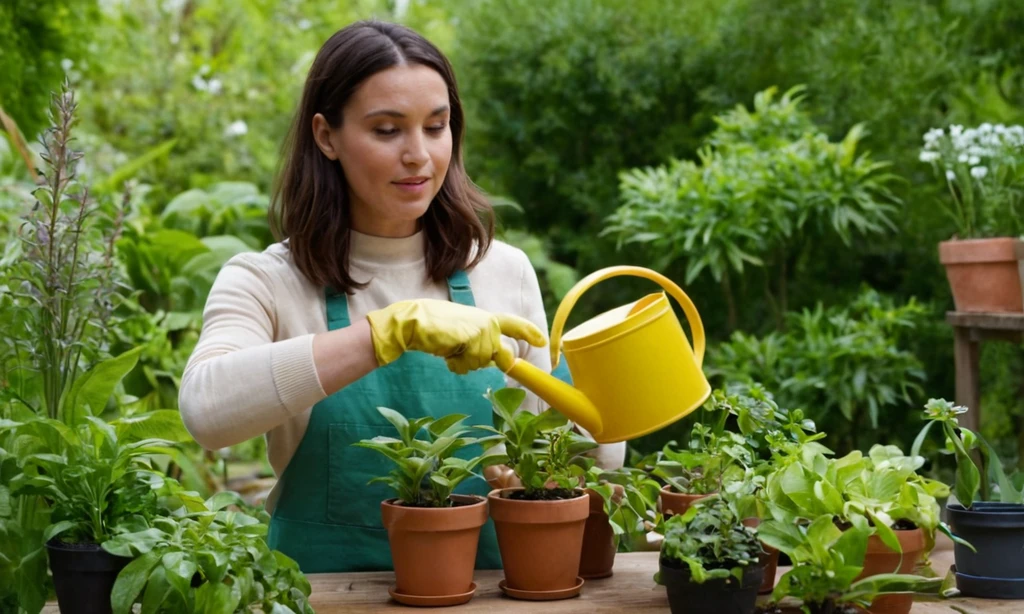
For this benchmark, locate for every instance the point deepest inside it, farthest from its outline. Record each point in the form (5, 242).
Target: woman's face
(394, 145)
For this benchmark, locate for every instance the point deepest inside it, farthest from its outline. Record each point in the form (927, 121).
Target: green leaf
(399, 421)
(158, 424)
(130, 582)
(92, 389)
(56, 529)
(216, 599)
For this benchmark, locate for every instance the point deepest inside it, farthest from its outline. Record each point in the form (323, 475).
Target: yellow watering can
(633, 368)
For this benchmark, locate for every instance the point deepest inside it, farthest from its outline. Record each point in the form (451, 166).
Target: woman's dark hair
(310, 204)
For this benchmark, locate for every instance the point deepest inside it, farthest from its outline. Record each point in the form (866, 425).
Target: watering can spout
(556, 393)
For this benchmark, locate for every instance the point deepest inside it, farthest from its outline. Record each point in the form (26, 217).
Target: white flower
(962, 158)
(204, 69)
(175, 38)
(978, 172)
(236, 128)
(950, 175)
(67, 64)
(973, 160)
(956, 130)
(986, 127)
(305, 24)
(933, 135)
(199, 83)
(929, 156)
(215, 86)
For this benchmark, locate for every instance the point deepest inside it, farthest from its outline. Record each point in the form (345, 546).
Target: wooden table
(970, 330)
(631, 589)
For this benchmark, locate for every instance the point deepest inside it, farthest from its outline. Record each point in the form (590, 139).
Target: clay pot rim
(911, 540)
(523, 511)
(434, 519)
(977, 251)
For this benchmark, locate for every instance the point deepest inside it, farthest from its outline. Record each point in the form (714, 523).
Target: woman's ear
(322, 135)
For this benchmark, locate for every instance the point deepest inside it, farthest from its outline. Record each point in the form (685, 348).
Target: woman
(386, 290)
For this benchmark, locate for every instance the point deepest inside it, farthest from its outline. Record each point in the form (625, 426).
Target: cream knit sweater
(252, 372)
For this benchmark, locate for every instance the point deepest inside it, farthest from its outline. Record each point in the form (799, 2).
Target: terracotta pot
(881, 559)
(540, 541)
(984, 274)
(434, 548)
(598, 554)
(673, 503)
(769, 560)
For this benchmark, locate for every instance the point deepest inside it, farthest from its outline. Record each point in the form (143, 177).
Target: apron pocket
(350, 500)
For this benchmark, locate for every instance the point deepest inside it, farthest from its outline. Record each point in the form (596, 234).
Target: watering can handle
(696, 326)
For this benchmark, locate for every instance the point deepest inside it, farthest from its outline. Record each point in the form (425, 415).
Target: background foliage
(571, 104)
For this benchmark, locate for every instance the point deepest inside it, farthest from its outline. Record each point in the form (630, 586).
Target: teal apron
(327, 517)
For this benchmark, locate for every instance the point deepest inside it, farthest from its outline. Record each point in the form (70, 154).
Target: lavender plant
(59, 283)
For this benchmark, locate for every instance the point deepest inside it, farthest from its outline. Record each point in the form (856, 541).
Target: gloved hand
(466, 337)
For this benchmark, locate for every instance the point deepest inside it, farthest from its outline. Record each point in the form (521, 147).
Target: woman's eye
(386, 131)
(437, 129)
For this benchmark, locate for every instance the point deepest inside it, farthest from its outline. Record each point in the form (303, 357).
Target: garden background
(764, 154)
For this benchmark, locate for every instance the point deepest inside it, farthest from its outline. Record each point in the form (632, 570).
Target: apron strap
(459, 291)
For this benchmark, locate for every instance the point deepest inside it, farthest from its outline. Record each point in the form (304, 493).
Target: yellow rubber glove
(466, 337)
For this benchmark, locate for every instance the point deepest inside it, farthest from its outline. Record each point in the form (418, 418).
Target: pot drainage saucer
(989, 588)
(564, 593)
(429, 601)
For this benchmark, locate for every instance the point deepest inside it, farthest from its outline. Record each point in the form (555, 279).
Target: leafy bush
(563, 95)
(768, 182)
(850, 362)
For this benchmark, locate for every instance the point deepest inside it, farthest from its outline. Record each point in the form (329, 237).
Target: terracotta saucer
(421, 600)
(564, 593)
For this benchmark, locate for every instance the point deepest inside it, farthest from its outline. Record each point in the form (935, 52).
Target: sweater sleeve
(608, 456)
(239, 382)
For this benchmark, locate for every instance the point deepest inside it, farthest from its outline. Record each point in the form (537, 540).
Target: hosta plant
(543, 450)
(202, 557)
(827, 560)
(426, 469)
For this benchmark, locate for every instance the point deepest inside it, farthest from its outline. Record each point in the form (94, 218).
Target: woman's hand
(466, 337)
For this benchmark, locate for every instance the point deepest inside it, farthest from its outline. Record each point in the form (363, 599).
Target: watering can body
(633, 369)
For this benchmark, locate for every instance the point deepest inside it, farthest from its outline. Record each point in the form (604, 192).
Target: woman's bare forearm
(343, 356)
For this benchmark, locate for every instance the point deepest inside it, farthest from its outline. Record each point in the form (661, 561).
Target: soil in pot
(83, 576)
(434, 548)
(996, 530)
(881, 559)
(598, 555)
(540, 540)
(716, 596)
(983, 274)
(673, 502)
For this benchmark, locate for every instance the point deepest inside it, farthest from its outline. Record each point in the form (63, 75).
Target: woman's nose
(415, 153)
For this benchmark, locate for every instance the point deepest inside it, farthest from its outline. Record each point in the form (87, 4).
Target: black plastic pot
(996, 530)
(718, 596)
(83, 576)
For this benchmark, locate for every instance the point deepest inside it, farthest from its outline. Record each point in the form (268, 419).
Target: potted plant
(94, 477)
(539, 525)
(623, 505)
(709, 561)
(432, 532)
(881, 490)
(711, 460)
(201, 556)
(983, 168)
(988, 515)
(827, 562)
